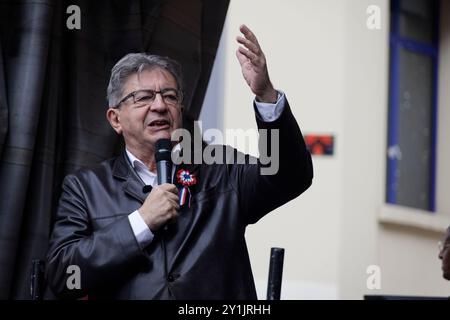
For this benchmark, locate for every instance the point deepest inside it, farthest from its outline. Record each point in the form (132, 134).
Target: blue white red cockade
(186, 179)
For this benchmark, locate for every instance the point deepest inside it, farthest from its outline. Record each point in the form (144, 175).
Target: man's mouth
(159, 124)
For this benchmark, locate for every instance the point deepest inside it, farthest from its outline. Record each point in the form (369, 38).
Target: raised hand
(254, 66)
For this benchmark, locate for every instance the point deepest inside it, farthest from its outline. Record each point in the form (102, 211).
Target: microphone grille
(163, 150)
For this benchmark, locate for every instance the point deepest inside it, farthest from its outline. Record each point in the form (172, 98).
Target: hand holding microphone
(162, 204)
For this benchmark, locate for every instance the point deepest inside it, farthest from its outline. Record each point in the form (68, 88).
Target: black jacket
(202, 256)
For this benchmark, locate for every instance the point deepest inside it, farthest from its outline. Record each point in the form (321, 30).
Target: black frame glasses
(145, 97)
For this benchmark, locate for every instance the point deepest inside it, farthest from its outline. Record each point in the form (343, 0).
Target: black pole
(275, 273)
(37, 279)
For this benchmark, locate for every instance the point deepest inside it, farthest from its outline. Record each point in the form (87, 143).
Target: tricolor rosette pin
(186, 179)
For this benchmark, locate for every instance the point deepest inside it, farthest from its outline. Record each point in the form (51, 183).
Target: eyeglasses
(143, 98)
(442, 246)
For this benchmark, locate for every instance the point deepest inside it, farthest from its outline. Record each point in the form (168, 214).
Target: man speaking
(132, 238)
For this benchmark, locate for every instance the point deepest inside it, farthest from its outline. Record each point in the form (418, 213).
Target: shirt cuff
(269, 112)
(142, 232)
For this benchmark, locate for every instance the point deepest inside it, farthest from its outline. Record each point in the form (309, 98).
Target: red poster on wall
(320, 144)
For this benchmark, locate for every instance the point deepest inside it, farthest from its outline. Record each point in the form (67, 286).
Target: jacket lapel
(132, 184)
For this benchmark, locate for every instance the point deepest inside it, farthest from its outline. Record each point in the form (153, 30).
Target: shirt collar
(136, 163)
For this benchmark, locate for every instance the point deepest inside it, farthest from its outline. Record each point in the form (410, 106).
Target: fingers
(173, 212)
(167, 192)
(248, 34)
(249, 45)
(241, 58)
(173, 197)
(174, 204)
(252, 50)
(170, 211)
(169, 187)
(254, 59)
(171, 192)
(161, 206)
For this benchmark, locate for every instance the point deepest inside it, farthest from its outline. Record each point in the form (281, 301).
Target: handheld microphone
(163, 161)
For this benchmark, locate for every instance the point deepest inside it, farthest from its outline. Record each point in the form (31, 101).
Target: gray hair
(136, 63)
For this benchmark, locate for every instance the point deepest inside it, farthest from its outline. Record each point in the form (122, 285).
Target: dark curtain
(52, 100)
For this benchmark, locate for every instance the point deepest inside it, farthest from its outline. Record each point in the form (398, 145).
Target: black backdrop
(52, 100)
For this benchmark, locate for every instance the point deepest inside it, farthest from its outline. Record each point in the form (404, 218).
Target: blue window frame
(411, 164)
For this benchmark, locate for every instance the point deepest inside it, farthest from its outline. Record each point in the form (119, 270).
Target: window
(411, 150)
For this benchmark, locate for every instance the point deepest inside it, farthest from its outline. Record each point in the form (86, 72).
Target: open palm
(254, 66)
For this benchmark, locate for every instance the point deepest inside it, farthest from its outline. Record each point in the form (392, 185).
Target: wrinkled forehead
(150, 78)
(158, 74)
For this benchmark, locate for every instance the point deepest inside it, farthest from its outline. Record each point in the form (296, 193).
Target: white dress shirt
(267, 112)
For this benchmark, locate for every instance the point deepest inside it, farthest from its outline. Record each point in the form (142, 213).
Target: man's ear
(112, 115)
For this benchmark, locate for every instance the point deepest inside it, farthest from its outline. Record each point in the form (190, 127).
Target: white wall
(364, 136)
(334, 72)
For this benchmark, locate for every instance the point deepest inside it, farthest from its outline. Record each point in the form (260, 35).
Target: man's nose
(158, 105)
(441, 255)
